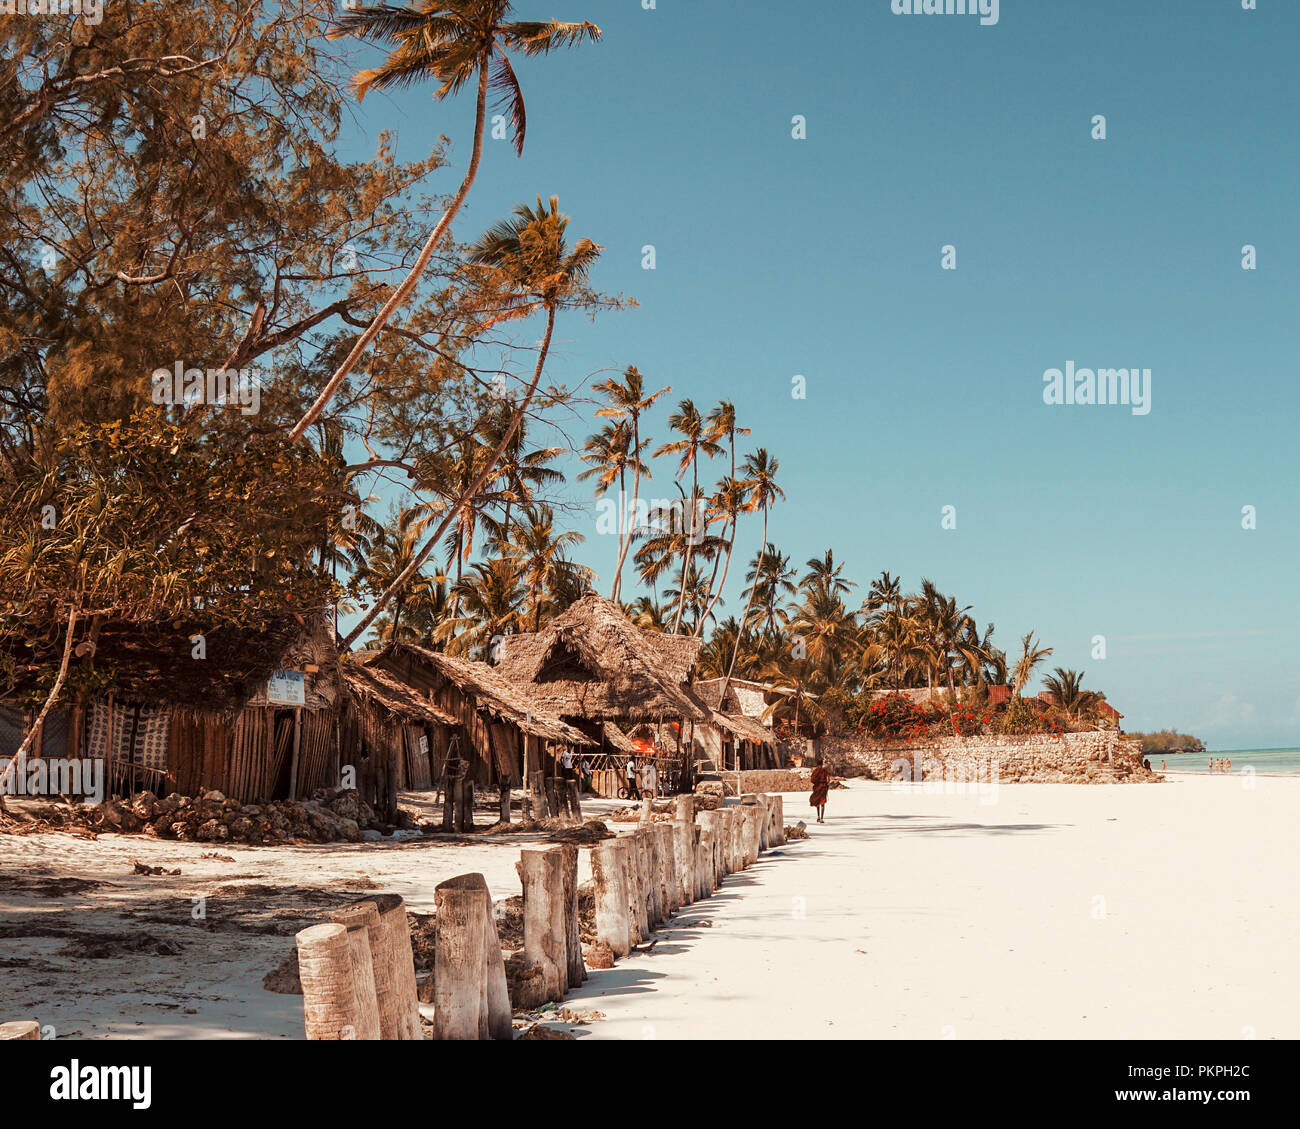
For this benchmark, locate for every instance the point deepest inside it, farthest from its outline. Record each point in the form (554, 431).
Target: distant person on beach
(1227, 765)
(633, 792)
(1164, 766)
(584, 770)
(821, 784)
(1146, 764)
(650, 781)
(1211, 764)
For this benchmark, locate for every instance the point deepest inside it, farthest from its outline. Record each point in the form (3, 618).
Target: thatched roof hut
(499, 723)
(255, 712)
(592, 663)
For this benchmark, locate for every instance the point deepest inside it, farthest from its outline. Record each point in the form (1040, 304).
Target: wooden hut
(737, 735)
(255, 713)
(592, 666)
(496, 727)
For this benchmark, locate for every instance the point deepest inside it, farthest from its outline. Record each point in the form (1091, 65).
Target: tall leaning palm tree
(760, 470)
(696, 440)
(455, 43)
(529, 259)
(627, 400)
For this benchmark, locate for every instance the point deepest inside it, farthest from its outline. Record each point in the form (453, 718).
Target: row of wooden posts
(358, 974)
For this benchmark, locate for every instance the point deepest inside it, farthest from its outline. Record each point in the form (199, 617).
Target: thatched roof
(745, 728)
(377, 689)
(492, 692)
(154, 663)
(617, 739)
(592, 662)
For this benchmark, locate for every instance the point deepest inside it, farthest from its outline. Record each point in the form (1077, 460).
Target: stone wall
(770, 780)
(1099, 757)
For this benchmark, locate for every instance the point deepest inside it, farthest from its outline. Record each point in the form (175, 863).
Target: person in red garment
(821, 782)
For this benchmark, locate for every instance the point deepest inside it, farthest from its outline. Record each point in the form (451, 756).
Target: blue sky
(821, 257)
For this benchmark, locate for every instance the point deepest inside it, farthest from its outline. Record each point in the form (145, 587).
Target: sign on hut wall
(287, 688)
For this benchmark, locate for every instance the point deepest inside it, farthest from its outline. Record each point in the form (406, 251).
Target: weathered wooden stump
(504, 809)
(334, 1006)
(576, 969)
(546, 917)
(20, 1029)
(470, 998)
(778, 820)
(669, 894)
(395, 943)
(609, 866)
(647, 809)
(737, 840)
(706, 871)
(685, 808)
(684, 833)
(537, 795)
(393, 1016)
(752, 816)
(645, 876)
(574, 800)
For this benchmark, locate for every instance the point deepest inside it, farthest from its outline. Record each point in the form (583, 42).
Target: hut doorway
(282, 749)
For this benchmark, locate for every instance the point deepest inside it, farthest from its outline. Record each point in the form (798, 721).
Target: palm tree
(1067, 687)
(824, 574)
(770, 577)
(722, 425)
(529, 257)
(1031, 654)
(627, 401)
(728, 501)
(492, 593)
(760, 470)
(538, 550)
(691, 593)
(455, 42)
(696, 440)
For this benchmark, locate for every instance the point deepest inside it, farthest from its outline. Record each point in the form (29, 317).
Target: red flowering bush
(967, 721)
(895, 717)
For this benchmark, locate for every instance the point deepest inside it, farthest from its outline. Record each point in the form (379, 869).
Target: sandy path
(198, 976)
(914, 915)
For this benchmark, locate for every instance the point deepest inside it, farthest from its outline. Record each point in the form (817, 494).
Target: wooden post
(504, 784)
(330, 1004)
(737, 839)
(705, 868)
(389, 1016)
(537, 786)
(647, 809)
(668, 871)
(20, 1029)
(577, 968)
(546, 918)
(684, 860)
(778, 819)
(293, 759)
(655, 902)
(641, 858)
(395, 944)
(686, 808)
(755, 817)
(574, 799)
(609, 866)
(465, 804)
(470, 999)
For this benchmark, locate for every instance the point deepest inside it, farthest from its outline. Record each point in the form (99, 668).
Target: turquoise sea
(1266, 762)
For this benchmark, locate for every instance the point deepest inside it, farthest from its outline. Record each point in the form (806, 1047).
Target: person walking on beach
(1211, 764)
(650, 781)
(1164, 766)
(633, 792)
(821, 784)
(1227, 766)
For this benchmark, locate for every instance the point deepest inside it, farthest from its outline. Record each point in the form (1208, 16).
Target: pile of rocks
(332, 814)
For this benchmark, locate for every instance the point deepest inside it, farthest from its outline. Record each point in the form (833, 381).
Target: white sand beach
(914, 915)
(909, 914)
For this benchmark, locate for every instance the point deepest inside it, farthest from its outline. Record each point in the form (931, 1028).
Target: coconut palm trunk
(408, 284)
(744, 619)
(27, 741)
(411, 569)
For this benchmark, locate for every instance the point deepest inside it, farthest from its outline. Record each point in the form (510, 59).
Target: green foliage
(1169, 741)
